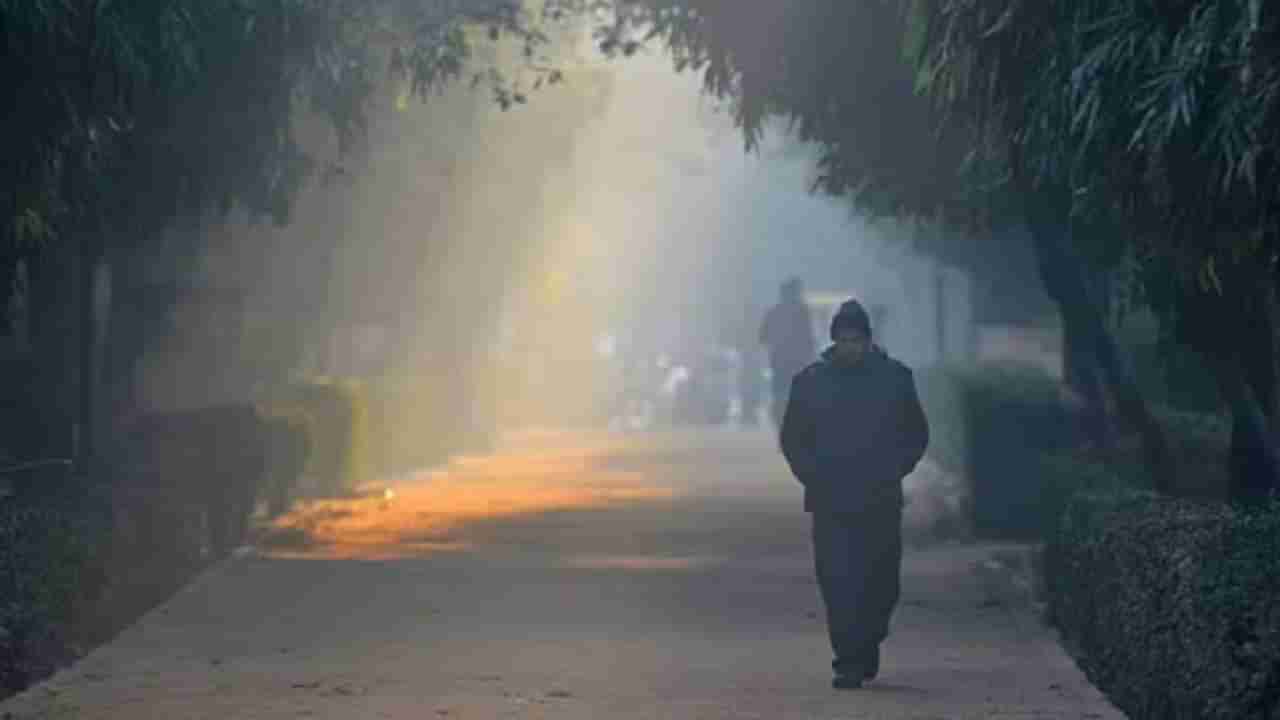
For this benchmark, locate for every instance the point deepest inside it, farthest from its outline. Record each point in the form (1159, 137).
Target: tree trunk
(52, 333)
(1235, 332)
(1065, 279)
(124, 343)
(1253, 461)
(8, 270)
(86, 422)
(1081, 374)
(138, 316)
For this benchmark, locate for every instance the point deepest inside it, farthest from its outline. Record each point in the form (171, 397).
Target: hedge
(1009, 434)
(51, 571)
(334, 414)
(211, 460)
(1171, 606)
(81, 558)
(1174, 376)
(361, 430)
(994, 427)
(288, 450)
(1197, 443)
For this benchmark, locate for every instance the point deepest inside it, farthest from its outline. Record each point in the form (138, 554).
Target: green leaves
(1170, 603)
(1156, 122)
(165, 107)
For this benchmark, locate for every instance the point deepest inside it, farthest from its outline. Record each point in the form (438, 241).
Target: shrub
(1172, 606)
(336, 421)
(1198, 442)
(359, 430)
(212, 458)
(1174, 376)
(1068, 473)
(288, 449)
(994, 428)
(50, 571)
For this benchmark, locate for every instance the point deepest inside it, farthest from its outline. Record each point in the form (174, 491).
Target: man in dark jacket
(787, 332)
(852, 430)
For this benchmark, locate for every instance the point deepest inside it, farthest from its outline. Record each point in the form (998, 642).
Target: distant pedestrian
(852, 430)
(787, 333)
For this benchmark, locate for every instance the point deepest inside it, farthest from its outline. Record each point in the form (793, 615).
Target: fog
(521, 256)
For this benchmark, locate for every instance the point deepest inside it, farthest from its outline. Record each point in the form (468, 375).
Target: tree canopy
(127, 119)
(186, 105)
(1133, 138)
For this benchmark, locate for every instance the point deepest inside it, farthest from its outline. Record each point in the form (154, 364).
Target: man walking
(787, 332)
(853, 428)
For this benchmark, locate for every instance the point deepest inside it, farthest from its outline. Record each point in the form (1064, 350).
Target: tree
(1157, 121)
(858, 78)
(130, 118)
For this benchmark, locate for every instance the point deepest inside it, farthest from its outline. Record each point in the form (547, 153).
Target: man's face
(851, 345)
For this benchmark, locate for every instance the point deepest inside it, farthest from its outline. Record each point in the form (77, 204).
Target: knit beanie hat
(851, 316)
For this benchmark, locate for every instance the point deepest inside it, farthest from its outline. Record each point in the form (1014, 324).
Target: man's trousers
(858, 559)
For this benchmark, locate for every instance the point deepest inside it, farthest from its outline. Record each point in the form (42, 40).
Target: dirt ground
(570, 575)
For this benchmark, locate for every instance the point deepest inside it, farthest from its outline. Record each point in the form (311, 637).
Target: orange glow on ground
(432, 511)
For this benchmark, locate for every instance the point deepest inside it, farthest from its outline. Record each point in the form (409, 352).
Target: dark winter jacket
(850, 434)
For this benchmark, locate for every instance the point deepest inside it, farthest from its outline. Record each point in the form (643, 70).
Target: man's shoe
(846, 682)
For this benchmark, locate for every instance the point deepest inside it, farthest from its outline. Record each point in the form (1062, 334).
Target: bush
(336, 418)
(288, 449)
(1199, 443)
(994, 427)
(1174, 376)
(1172, 606)
(211, 458)
(1066, 474)
(50, 571)
(359, 430)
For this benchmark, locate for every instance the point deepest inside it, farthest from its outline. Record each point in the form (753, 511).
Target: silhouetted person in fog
(787, 332)
(852, 430)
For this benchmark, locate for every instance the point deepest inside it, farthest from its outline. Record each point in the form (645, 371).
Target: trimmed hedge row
(993, 427)
(81, 559)
(361, 430)
(1171, 606)
(333, 414)
(1174, 376)
(1009, 433)
(51, 571)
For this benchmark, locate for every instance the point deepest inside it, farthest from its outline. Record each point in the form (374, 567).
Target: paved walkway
(569, 576)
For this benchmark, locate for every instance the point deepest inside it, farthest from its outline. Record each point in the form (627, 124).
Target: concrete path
(568, 576)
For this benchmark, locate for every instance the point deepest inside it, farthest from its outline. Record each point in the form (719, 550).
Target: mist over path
(569, 575)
